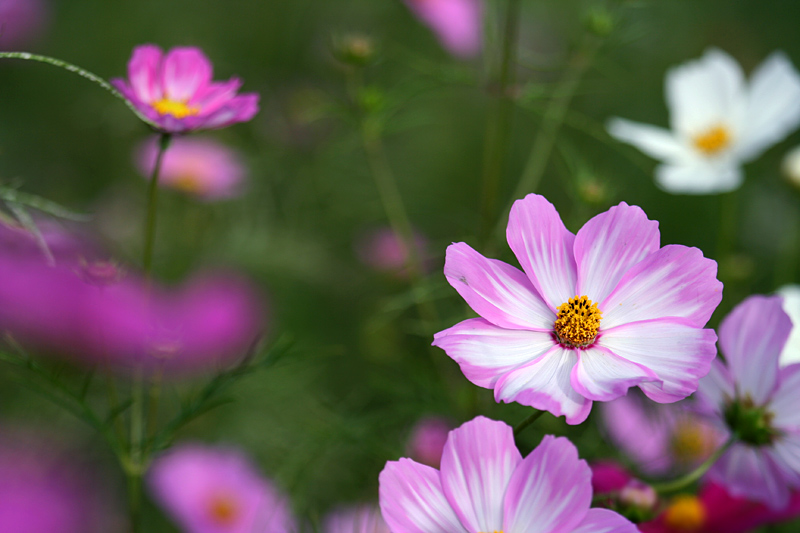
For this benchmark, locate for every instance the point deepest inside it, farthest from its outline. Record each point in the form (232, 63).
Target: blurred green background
(327, 417)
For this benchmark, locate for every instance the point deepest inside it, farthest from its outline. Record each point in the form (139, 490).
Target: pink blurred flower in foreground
(485, 485)
(362, 519)
(217, 490)
(21, 21)
(755, 399)
(590, 316)
(660, 439)
(427, 439)
(457, 23)
(199, 167)
(176, 92)
(101, 315)
(381, 250)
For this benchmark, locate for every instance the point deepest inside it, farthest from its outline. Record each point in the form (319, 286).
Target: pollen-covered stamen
(176, 108)
(577, 322)
(685, 513)
(713, 140)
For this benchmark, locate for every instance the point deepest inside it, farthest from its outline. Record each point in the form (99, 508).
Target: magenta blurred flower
(485, 485)
(590, 316)
(21, 22)
(176, 92)
(427, 439)
(217, 490)
(381, 250)
(659, 438)
(66, 247)
(757, 400)
(199, 167)
(101, 315)
(457, 23)
(361, 519)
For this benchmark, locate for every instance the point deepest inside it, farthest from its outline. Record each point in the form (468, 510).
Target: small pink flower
(176, 92)
(457, 23)
(21, 21)
(362, 519)
(591, 315)
(753, 397)
(485, 485)
(217, 490)
(199, 167)
(382, 251)
(427, 439)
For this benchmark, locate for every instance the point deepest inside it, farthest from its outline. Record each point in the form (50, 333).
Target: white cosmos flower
(791, 306)
(718, 121)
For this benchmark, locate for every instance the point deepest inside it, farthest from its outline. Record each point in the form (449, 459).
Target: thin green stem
(152, 206)
(551, 123)
(134, 468)
(135, 500)
(527, 422)
(83, 73)
(697, 473)
(498, 127)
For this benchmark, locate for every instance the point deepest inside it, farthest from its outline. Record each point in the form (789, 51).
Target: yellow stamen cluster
(713, 140)
(686, 513)
(224, 510)
(577, 322)
(176, 108)
(691, 443)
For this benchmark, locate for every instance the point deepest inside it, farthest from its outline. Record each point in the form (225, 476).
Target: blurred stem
(135, 500)
(697, 473)
(527, 422)
(553, 118)
(498, 127)
(152, 206)
(134, 469)
(155, 397)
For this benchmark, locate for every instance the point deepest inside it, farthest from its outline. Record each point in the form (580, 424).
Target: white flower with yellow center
(718, 120)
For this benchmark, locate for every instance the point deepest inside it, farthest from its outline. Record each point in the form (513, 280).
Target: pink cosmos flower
(757, 400)
(427, 439)
(199, 167)
(485, 485)
(217, 490)
(100, 314)
(457, 23)
(660, 439)
(21, 21)
(381, 250)
(590, 316)
(176, 92)
(362, 519)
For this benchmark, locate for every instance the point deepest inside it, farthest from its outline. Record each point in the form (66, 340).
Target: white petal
(791, 305)
(699, 177)
(601, 375)
(656, 142)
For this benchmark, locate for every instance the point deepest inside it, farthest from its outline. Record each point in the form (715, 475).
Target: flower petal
(485, 352)
(185, 71)
(551, 489)
(750, 473)
(676, 281)
(786, 400)
(699, 177)
(477, 463)
(143, 72)
(604, 521)
(238, 109)
(676, 351)
(545, 384)
(791, 305)
(610, 244)
(600, 375)
(773, 109)
(704, 92)
(715, 390)
(543, 247)
(751, 338)
(497, 291)
(656, 142)
(412, 500)
(215, 94)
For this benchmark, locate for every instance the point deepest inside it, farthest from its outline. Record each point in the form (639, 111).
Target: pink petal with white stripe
(785, 403)
(143, 73)
(495, 290)
(185, 71)
(543, 247)
(485, 352)
(716, 389)
(751, 473)
(601, 375)
(604, 521)
(609, 245)
(477, 463)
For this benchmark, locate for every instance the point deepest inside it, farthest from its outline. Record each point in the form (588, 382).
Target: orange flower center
(577, 322)
(176, 108)
(224, 510)
(686, 513)
(713, 140)
(691, 443)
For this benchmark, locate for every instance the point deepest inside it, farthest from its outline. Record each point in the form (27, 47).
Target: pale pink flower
(484, 485)
(381, 250)
(360, 519)
(426, 442)
(21, 22)
(458, 24)
(591, 315)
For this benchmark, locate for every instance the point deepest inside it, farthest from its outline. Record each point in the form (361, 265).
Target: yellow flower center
(176, 108)
(713, 140)
(577, 322)
(188, 183)
(691, 443)
(686, 513)
(224, 510)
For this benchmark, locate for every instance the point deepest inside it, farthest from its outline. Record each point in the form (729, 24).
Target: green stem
(697, 473)
(527, 422)
(498, 127)
(83, 73)
(135, 500)
(552, 120)
(134, 468)
(152, 206)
